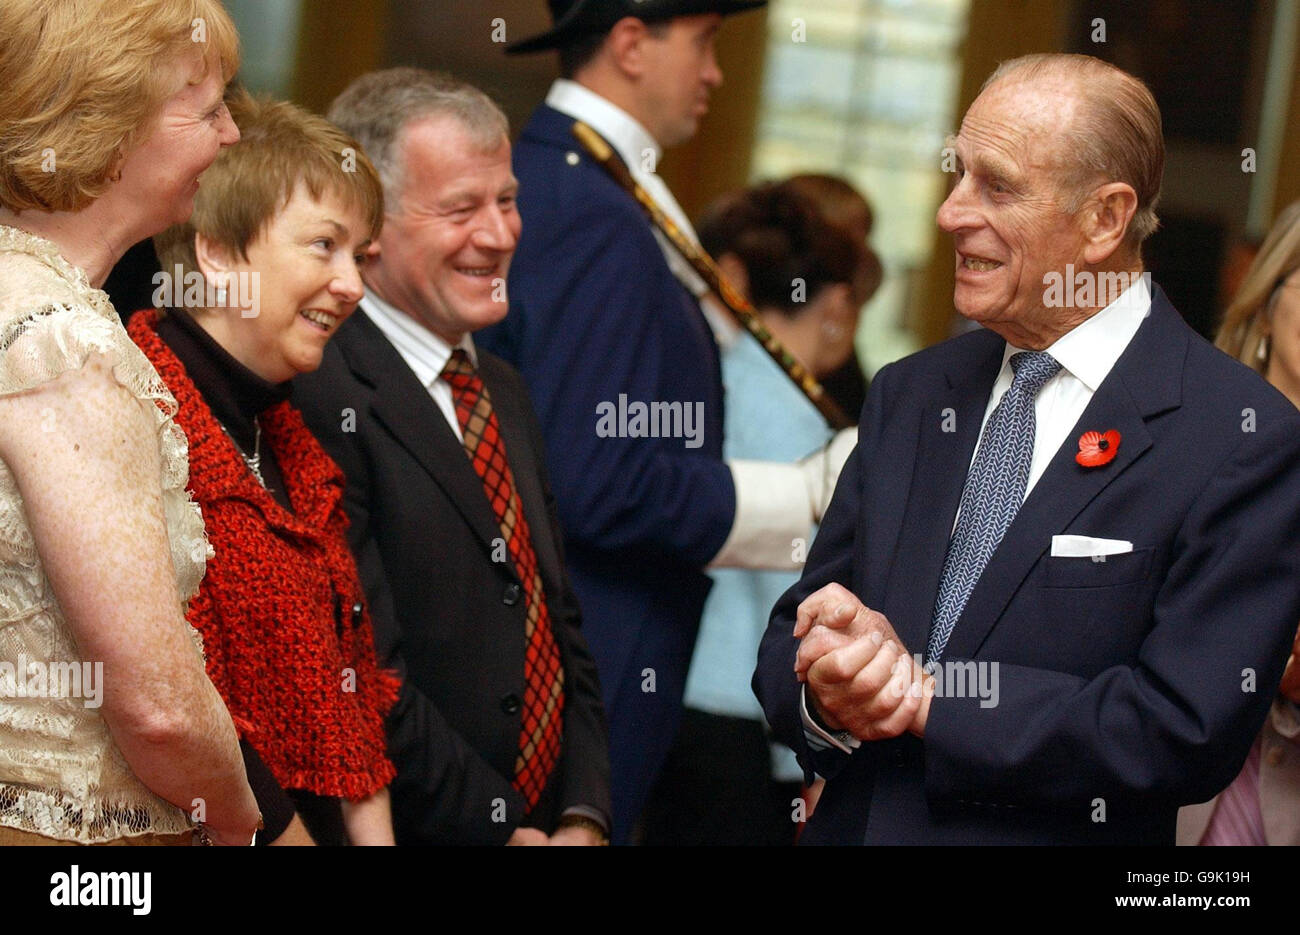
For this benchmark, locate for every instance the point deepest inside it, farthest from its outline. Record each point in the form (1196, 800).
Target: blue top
(767, 419)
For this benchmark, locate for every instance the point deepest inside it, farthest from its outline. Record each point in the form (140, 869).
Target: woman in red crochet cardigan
(258, 280)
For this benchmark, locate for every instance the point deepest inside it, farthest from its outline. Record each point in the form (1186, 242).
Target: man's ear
(1106, 217)
(624, 44)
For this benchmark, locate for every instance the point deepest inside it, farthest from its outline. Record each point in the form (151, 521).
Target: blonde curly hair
(1245, 328)
(83, 82)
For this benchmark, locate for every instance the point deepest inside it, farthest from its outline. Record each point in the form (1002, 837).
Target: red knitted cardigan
(286, 633)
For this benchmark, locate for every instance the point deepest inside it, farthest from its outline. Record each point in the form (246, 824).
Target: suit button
(510, 596)
(357, 610)
(510, 704)
(1274, 756)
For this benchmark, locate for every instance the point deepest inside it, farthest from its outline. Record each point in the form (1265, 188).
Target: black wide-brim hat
(577, 18)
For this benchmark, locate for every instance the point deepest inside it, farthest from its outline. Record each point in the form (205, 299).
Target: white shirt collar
(1090, 349)
(424, 352)
(620, 129)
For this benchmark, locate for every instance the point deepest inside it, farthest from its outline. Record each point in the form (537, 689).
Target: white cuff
(817, 736)
(821, 469)
(773, 510)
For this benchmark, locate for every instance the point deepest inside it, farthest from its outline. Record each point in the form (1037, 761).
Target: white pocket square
(1088, 547)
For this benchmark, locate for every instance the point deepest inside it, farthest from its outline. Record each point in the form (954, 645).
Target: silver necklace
(255, 462)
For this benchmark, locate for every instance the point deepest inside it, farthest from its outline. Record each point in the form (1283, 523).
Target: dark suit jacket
(448, 614)
(595, 312)
(1120, 683)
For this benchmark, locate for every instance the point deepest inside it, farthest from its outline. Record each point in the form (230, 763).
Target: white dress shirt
(424, 352)
(1086, 354)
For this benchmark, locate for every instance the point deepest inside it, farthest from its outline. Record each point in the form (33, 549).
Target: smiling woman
(281, 225)
(109, 111)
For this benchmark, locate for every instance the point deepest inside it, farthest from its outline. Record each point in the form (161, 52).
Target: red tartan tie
(539, 737)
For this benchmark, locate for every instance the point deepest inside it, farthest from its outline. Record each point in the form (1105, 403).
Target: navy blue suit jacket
(595, 312)
(1125, 687)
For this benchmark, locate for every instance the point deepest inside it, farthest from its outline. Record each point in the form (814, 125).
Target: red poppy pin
(1097, 448)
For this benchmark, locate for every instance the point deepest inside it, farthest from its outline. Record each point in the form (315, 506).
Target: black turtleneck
(233, 392)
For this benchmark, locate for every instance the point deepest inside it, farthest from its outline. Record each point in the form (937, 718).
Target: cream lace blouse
(61, 774)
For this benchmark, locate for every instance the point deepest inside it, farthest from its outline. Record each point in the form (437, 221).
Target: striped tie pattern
(995, 488)
(543, 708)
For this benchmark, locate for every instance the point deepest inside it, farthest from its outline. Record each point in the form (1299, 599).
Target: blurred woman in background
(108, 114)
(806, 277)
(844, 206)
(1262, 329)
(260, 279)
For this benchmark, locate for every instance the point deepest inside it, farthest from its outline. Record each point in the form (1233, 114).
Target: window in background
(867, 89)
(268, 34)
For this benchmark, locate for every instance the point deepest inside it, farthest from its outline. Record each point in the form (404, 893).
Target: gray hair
(377, 107)
(1116, 135)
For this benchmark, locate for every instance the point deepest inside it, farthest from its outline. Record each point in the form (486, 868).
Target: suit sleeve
(1176, 727)
(434, 762)
(596, 311)
(586, 738)
(829, 560)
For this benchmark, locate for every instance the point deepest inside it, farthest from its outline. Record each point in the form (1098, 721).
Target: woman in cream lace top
(109, 729)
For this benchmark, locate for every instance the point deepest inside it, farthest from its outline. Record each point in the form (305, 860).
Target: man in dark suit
(499, 735)
(606, 326)
(1066, 631)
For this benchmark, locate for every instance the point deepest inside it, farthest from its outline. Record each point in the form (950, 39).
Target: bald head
(1106, 125)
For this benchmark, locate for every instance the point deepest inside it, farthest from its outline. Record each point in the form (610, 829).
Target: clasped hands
(857, 672)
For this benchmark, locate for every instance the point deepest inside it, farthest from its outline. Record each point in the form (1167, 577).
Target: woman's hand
(296, 835)
(369, 823)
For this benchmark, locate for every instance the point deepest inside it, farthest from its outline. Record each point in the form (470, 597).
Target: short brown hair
(281, 146)
(82, 80)
(1116, 136)
(844, 206)
(780, 236)
(377, 107)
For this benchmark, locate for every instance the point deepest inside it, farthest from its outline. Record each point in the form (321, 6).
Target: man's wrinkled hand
(528, 837)
(858, 672)
(830, 619)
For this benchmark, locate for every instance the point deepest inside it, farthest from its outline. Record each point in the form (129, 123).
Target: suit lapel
(942, 456)
(1145, 381)
(406, 410)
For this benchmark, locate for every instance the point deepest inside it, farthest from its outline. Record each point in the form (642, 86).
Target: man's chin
(484, 314)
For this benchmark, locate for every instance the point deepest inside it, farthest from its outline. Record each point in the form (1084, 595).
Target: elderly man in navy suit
(607, 327)
(1052, 597)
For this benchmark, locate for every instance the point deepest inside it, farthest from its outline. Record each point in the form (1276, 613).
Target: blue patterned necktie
(995, 488)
